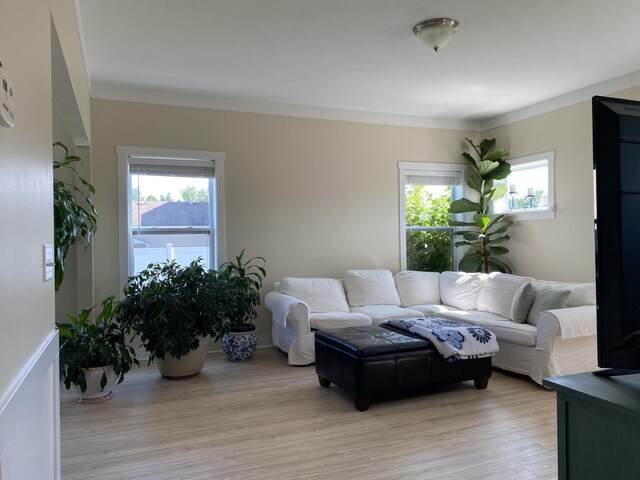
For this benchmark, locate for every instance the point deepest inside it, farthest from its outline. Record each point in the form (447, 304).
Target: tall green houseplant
(489, 231)
(73, 220)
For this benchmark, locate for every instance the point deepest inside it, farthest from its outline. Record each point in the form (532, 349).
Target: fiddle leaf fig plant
(74, 216)
(488, 232)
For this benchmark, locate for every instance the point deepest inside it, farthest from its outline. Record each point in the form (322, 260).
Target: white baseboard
(30, 418)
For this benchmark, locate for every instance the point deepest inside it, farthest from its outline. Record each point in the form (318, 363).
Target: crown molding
(568, 99)
(139, 94)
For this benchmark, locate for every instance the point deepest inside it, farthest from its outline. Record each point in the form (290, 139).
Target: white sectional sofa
(544, 329)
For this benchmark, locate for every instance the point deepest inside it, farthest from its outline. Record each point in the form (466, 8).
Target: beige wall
(26, 316)
(314, 197)
(563, 248)
(29, 430)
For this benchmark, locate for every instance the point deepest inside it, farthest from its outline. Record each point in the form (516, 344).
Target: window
(171, 207)
(530, 187)
(426, 191)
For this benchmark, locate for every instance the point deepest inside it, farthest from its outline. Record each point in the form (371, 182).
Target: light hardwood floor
(264, 419)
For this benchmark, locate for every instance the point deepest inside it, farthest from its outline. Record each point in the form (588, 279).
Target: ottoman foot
(481, 383)
(324, 382)
(362, 404)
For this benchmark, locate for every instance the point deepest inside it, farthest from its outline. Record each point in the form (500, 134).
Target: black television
(616, 163)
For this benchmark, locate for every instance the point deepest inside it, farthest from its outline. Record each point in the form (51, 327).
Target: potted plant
(175, 311)
(486, 239)
(240, 283)
(94, 354)
(73, 220)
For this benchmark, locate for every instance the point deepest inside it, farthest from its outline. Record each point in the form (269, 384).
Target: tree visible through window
(428, 235)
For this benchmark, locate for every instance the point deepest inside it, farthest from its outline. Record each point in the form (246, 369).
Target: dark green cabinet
(598, 426)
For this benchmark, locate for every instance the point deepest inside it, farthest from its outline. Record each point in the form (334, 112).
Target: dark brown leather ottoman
(373, 362)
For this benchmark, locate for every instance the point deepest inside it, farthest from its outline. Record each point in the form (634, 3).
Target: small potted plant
(175, 311)
(94, 354)
(240, 283)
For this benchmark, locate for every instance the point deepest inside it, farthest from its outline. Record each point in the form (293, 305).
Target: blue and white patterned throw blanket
(454, 340)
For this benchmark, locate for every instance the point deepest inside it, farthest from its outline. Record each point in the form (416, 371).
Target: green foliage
(166, 198)
(73, 220)
(190, 194)
(427, 251)
(170, 306)
(239, 283)
(488, 229)
(85, 343)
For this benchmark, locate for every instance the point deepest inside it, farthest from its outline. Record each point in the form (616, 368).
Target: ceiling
(361, 55)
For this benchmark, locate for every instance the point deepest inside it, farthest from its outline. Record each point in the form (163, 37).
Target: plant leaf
(485, 168)
(501, 172)
(498, 266)
(464, 205)
(502, 239)
(482, 220)
(498, 250)
(499, 191)
(497, 154)
(471, 262)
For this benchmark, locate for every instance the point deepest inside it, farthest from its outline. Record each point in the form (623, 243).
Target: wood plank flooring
(264, 419)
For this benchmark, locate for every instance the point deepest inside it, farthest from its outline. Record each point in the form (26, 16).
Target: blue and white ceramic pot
(240, 345)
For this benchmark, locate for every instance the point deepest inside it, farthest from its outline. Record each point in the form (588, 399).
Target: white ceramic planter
(95, 394)
(188, 365)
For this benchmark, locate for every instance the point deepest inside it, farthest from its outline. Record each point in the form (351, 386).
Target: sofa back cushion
(509, 296)
(580, 294)
(547, 298)
(418, 288)
(320, 294)
(370, 287)
(461, 290)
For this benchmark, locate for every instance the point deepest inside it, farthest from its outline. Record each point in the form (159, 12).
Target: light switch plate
(47, 262)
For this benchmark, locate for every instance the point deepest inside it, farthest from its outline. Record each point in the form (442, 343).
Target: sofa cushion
(547, 299)
(518, 333)
(380, 313)
(320, 294)
(472, 317)
(431, 310)
(321, 321)
(501, 293)
(418, 288)
(461, 290)
(370, 287)
(580, 293)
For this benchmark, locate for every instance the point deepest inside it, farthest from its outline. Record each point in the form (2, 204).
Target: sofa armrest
(289, 312)
(565, 323)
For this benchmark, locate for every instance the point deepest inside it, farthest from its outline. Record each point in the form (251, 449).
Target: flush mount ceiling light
(436, 32)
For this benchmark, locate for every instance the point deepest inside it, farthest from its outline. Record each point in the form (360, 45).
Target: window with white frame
(530, 188)
(171, 207)
(426, 191)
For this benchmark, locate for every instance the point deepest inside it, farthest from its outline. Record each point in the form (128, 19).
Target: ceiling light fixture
(436, 32)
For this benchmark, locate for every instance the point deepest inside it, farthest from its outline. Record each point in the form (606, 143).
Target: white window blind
(168, 167)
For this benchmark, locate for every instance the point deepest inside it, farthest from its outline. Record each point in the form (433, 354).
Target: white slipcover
(418, 288)
(461, 290)
(563, 342)
(370, 287)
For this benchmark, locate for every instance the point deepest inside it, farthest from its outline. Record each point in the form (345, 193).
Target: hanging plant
(73, 220)
(489, 232)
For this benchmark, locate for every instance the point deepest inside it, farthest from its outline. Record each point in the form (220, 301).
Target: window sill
(532, 215)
